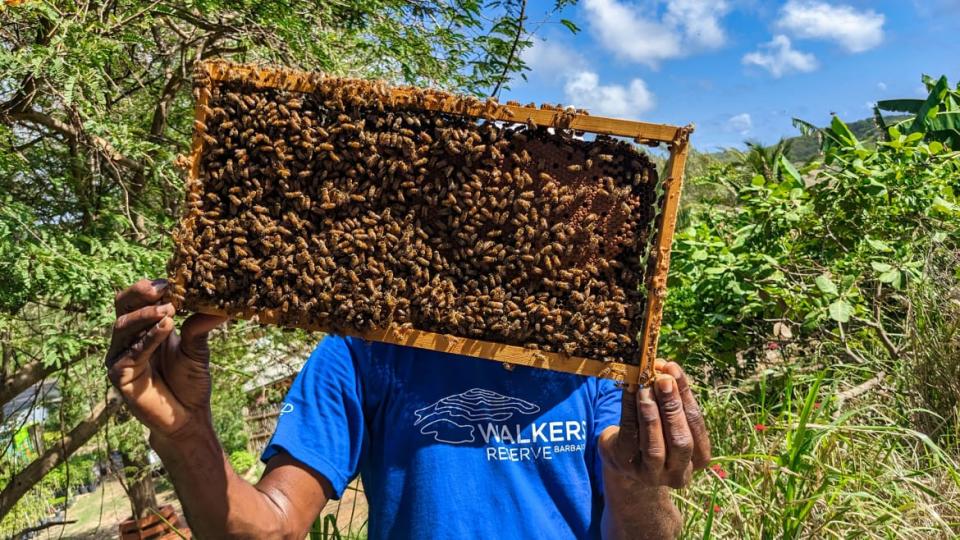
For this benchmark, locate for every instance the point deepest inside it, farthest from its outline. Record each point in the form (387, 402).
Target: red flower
(760, 427)
(718, 470)
(716, 509)
(773, 345)
(816, 405)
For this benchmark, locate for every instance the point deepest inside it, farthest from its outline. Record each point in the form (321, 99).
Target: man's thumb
(193, 334)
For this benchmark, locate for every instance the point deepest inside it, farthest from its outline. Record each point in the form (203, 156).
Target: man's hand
(163, 377)
(662, 437)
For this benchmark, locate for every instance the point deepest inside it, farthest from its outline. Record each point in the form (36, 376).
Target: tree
(765, 161)
(95, 106)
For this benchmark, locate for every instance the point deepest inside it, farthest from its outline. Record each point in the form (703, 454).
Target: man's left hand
(662, 437)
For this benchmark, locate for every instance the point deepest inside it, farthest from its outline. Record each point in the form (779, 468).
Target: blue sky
(738, 69)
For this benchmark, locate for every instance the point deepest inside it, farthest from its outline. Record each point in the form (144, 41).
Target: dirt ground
(98, 514)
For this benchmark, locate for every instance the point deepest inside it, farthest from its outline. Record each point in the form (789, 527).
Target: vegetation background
(814, 291)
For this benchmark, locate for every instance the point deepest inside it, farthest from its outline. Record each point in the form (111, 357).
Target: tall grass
(795, 461)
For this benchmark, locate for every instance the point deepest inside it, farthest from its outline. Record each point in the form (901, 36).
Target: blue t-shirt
(451, 446)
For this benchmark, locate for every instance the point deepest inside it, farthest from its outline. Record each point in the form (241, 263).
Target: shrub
(241, 460)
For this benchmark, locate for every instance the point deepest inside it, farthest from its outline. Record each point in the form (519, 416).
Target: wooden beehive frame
(676, 138)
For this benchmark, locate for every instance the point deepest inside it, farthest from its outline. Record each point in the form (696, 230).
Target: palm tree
(764, 160)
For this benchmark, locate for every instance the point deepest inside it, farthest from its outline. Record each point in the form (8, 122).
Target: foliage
(822, 305)
(778, 271)
(937, 117)
(794, 462)
(241, 460)
(828, 255)
(95, 106)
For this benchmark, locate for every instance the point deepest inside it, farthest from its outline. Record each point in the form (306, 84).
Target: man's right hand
(163, 377)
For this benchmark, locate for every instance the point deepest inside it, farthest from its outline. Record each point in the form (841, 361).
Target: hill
(805, 148)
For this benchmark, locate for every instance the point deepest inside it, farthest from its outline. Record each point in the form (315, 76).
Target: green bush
(241, 460)
(830, 255)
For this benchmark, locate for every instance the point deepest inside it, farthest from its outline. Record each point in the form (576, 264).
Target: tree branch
(513, 48)
(33, 372)
(35, 528)
(860, 389)
(72, 133)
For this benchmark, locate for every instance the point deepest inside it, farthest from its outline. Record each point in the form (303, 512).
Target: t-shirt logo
(449, 419)
(503, 425)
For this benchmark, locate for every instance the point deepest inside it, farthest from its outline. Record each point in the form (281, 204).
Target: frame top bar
(298, 81)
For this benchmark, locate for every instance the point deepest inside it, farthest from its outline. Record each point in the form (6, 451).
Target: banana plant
(937, 117)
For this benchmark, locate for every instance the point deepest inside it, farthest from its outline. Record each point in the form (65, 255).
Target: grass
(795, 461)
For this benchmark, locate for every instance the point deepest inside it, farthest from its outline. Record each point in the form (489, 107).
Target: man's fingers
(650, 434)
(676, 433)
(137, 321)
(142, 293)
(130, 366)
(695, 420)
(155, 336)
(628, 416)
(193, 334)
(128, 328)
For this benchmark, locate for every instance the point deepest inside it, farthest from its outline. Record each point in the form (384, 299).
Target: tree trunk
(140, 486)
(57, 453)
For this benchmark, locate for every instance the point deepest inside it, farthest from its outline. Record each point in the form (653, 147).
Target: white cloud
(551, 60)
(741, 123)
(779, 58)
(856, 31)
(882, 86)
(685, 25)
(583, 89)
(699, 19)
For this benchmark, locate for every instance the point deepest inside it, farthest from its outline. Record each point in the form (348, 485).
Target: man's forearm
(632, 511)
(218, 503)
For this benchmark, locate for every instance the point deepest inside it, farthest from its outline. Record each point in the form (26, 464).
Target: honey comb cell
(353, 207)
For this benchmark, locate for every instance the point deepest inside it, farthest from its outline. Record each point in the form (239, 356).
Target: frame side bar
(657, 285)
(194, 184)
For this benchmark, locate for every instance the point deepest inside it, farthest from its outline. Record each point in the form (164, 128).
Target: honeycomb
(346, 209)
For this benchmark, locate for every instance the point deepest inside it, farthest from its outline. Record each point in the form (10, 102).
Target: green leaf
(944, 206)
(758, 180)
(878, 245)
(874, 188)
(930, 105)
(901, 105)
(842, 132)
(881, 267)
(569, 24)
(914, 137)
(825, 285)
(790, 169)
(840, 311)
(893, 276)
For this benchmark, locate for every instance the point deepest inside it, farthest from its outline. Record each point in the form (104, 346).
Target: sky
(737, 69)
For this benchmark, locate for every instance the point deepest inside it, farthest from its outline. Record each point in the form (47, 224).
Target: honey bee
(412, 216)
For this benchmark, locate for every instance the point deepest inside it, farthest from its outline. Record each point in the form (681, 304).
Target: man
(447, 446)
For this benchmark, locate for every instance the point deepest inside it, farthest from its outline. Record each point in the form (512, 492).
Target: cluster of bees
(349, 208)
